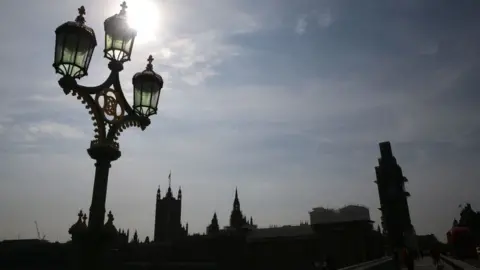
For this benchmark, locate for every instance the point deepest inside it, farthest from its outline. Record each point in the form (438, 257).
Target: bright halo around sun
(144, 16)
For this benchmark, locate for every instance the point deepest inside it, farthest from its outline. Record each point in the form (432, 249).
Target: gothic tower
(237, 220)
(213, 228)
(393, 196)
(168, 226)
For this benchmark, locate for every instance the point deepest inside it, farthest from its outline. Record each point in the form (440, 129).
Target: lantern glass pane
(118, 44)
(154, 100)
(59, 48)
(82, 53)
(108, 42)
(70, 49)
(137, 95)
(73, 51)
(146, 97)
(137, 100)
(147, 88)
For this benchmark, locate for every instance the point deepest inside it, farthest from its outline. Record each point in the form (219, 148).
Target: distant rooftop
(282, 231)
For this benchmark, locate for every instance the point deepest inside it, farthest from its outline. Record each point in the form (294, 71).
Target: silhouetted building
(123, 237)
(168, 213)
(320, 215)
(461, 243)
(237, 220)
(464, 236)
(110, 230)
(213, 228)
(428, 242)
(300, 246)
(471, 219)
(393, 197)
(79, 229)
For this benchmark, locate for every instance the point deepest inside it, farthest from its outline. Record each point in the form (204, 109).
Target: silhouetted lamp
(119, 37)
(106, 103)
(74, 47)
(146, 90)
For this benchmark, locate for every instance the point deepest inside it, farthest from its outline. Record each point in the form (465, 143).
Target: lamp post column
(103, 155)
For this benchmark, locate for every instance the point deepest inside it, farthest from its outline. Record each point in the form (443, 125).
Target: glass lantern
(146, 90)
(119, 37)
(74, 46)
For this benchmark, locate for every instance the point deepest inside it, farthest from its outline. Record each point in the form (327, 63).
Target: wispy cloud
(56, 130)
(301, 25)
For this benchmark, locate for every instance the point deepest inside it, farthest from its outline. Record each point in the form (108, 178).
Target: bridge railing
(385, 263)
(457, 264)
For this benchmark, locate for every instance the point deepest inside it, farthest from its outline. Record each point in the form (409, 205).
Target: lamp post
(106, 103)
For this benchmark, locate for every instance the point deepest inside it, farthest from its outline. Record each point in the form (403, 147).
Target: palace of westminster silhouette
(350, 241)
(243, 244)
(168, 215)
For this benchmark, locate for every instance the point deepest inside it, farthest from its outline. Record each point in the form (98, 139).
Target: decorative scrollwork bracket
(107, 105)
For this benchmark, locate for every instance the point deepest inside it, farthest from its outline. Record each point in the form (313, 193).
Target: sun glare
(144, 16)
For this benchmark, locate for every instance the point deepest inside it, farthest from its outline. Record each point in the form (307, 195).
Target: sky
(286, 100)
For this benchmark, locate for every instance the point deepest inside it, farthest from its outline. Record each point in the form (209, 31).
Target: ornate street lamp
(119, 37)
(74, 47)
(106, 103)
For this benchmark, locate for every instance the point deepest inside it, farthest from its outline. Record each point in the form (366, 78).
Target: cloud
(301, 25)
(195, 59)
(55, 130)
(322, 18)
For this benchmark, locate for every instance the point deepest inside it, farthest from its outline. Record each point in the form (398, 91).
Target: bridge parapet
(385, 263)
(457, 264)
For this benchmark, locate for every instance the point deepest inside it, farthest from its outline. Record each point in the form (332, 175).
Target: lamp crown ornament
(124, 8)
(149, 65)
(80, 19)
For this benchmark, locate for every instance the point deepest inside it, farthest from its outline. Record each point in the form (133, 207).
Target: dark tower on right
(393, 197)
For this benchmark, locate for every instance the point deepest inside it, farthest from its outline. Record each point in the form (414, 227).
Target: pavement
(426, 263)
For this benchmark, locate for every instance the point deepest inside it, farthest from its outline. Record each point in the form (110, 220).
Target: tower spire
(170, 179)
(236, 201)
(169, 191)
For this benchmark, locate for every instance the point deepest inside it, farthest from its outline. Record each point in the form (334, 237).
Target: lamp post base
(91, 250)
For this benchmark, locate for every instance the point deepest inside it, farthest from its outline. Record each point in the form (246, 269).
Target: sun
(144, 16)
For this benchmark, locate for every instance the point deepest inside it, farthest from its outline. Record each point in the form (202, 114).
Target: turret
(237, 219)
(135, 238)
(159, 195)
(213, 228)
(236, 201)
(78, 229)
(169, 191)
(168, 215)
(110, 229)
